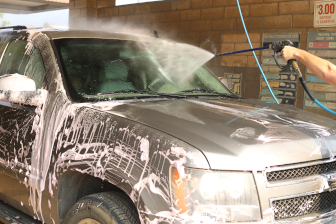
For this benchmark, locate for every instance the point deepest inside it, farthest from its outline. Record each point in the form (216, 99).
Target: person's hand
(288, 53)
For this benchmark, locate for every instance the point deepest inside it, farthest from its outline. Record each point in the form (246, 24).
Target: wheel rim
(88, 221)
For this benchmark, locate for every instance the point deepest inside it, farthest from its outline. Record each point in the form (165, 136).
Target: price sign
(324, 14)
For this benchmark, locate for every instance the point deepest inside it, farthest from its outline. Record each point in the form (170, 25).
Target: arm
(320, 67)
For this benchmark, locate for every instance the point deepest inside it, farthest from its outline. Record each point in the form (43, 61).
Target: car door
(17, 119)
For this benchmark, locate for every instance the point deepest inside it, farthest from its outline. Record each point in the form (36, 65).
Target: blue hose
(324, 107)
(311, 96)
(255, 57)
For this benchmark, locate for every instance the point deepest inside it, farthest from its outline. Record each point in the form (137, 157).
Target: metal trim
(294, 180)
(3, 53)
(300, 180)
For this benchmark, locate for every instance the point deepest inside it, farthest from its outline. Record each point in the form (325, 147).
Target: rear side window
(20, 59)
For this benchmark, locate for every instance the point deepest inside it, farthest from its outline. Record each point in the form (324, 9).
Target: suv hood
(237, 134)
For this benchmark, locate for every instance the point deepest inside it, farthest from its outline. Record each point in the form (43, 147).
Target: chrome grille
(304, 205)
(301, 171)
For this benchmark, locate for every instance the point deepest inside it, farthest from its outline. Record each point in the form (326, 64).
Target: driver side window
(20, 58)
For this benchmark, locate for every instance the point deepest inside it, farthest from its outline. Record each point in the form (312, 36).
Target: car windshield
(96, 68)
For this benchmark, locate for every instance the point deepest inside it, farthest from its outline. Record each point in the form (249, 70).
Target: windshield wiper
(144, 92)
(208, 91)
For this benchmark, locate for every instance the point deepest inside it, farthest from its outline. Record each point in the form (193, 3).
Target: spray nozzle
(277, 47)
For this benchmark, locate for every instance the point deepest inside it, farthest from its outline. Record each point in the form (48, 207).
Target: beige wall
(196, 21)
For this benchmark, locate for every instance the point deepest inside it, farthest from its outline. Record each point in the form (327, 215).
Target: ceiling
(32, 6)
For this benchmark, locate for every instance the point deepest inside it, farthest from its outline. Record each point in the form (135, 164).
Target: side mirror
(20, 89)
(17, 82)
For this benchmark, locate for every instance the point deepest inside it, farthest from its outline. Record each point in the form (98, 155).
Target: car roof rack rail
(13, 27)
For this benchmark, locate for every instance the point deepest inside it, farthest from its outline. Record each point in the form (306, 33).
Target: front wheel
(103, 208)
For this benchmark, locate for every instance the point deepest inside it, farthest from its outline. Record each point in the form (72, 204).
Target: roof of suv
(59, 34)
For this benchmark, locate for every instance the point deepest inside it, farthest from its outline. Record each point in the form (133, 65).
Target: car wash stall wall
(216, 26)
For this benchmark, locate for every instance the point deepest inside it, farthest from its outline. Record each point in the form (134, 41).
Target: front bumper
(280, 191)
(326, 218)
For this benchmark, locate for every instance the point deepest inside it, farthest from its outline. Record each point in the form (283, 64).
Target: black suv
(100, 127)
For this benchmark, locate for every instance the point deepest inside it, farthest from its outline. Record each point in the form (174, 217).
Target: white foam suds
(35, 98)
(244, 133)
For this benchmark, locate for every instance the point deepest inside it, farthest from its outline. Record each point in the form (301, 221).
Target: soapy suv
(99, 127)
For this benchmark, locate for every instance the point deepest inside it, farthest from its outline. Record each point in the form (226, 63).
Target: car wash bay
(216, 26)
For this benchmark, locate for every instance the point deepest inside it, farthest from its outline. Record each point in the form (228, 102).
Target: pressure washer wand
(277, 48)
(237, 52)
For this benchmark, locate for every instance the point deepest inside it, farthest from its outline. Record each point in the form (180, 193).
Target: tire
(103, 208)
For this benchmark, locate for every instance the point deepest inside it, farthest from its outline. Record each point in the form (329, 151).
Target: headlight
(215, 197)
